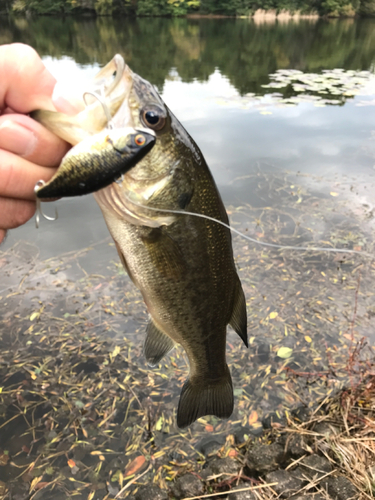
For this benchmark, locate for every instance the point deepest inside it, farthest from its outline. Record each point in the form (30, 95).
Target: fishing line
(104, 106)
(253, 240)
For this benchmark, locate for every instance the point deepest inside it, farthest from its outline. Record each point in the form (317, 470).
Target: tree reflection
(244, 52)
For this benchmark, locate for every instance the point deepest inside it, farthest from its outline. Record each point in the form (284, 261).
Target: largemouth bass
(183, 265)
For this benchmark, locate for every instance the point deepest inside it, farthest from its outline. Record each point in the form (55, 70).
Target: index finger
(17, 92)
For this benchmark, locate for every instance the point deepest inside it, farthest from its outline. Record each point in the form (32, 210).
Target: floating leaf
(308, 339)
(273, 315)
(284, 352)
(333, 193)
(71, 463)
(209, 428)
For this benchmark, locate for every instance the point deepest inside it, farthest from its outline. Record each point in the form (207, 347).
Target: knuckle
(7, 179)
(22, 51)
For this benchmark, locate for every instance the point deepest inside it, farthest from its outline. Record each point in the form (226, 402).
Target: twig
(250, 488)
(133, 481)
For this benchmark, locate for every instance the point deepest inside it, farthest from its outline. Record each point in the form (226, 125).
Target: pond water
(285, 116)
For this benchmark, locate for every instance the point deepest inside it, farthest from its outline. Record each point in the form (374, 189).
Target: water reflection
(76, 390)
(244, 52)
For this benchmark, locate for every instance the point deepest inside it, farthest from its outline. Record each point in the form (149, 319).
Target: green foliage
(104, 7)
(153, 8)
(42, 6)
(165, 7)
(338, 8)
(367, 8)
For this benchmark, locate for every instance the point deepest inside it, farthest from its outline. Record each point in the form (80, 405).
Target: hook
(39, 210)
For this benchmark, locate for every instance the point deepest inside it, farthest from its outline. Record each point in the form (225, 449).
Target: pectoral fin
(238, 321)
(165, 253)
(123, 260)
(157, 344)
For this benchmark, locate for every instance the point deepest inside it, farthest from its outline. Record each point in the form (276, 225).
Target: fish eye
(153, 117)
(139, 139)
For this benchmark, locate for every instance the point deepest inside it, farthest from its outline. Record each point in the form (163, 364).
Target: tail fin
(201, 397)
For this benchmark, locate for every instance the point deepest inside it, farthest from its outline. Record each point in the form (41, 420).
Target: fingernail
(16, 138)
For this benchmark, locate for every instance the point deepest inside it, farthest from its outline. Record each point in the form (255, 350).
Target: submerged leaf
(284, 352)
(135, 465)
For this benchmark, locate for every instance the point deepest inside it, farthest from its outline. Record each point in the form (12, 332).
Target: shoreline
(259, 16)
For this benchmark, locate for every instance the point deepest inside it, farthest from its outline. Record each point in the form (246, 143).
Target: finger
(2, 235)
(14, 213)
(26, 84)
(19, 176)
(23, 136)
(68, 98)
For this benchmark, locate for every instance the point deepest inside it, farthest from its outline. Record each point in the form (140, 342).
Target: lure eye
(153, 117)
(139, 139)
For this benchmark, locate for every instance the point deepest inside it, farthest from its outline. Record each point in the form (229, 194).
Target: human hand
(28, 151)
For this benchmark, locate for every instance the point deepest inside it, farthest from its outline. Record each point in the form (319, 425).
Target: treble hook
(39, 210)
(104, 106)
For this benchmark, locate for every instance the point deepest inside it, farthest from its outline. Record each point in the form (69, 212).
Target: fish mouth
(100, 135)
(114, 83)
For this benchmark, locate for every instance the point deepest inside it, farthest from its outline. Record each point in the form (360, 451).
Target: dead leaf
(253, 417)
(41, 485)
(232, 453)
(134, 466)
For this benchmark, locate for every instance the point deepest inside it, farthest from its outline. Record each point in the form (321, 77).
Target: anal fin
(200, 397)
(157, 344)
(238, 320)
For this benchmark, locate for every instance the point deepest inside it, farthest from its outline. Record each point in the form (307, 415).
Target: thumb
(26, 84)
